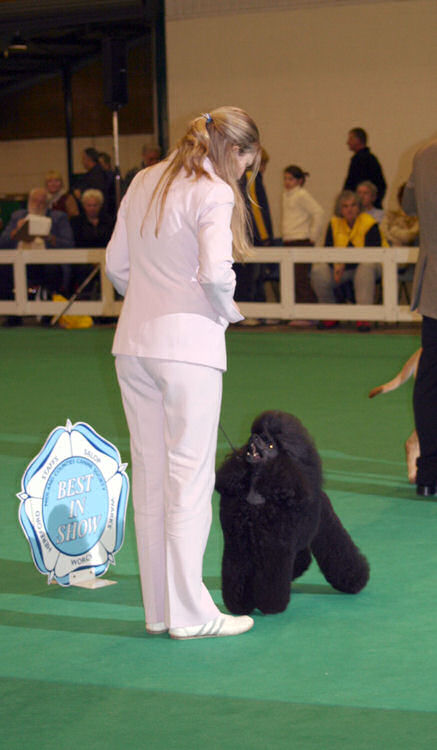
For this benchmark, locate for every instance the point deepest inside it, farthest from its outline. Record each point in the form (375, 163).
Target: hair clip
(207, 117)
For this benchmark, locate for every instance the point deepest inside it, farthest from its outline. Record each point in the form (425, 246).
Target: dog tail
(409, 369)
(339, 559)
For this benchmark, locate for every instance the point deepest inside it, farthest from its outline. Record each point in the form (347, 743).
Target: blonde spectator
(59, 199)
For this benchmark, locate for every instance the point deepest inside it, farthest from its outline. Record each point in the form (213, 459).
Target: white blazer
(179, 286)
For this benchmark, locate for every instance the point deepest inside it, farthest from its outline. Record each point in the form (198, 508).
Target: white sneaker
(156, 628)
(220, 626)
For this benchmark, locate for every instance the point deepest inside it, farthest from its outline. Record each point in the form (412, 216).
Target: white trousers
(172, 410)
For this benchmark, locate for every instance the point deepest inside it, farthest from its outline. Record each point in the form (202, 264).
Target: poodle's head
(277, 432)
(275, 436)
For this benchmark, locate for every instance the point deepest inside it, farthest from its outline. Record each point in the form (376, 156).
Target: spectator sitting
(367, 192)
(60, 233)
(398, 227)
(302, 222)
(51, 277)
(348, 228)
(59, 199)
(401, 229)
(92, 228)
(150, 155)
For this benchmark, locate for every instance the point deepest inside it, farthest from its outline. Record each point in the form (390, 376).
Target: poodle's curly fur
(275, 516)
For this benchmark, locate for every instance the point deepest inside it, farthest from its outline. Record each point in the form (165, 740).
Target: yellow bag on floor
(72, 321)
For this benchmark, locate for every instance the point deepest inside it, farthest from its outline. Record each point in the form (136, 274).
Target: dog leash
(224, 433)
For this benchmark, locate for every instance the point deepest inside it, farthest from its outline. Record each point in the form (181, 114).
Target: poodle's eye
(271, 446)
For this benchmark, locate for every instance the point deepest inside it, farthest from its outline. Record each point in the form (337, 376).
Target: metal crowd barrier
(388, 310)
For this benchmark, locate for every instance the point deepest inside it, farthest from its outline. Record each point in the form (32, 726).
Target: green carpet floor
(333, 671)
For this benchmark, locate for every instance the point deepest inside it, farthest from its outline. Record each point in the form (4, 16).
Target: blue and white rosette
(73, 503)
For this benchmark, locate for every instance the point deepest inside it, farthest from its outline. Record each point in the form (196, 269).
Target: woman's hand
(338, 272)
(20, 223)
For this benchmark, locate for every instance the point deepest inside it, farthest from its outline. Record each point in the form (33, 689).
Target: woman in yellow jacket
(349, 228)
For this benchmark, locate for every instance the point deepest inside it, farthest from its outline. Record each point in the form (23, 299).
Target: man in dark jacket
(364, 165)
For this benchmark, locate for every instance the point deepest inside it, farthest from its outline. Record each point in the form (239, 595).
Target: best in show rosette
(73, 503)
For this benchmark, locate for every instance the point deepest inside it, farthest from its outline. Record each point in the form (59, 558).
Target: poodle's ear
(231, 474)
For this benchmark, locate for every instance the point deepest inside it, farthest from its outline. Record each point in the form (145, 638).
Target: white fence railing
(389, 310)
(21, 305)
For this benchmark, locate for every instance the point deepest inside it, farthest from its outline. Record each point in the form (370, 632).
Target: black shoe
(363, 326)
(327, 325)
(12, 321)
(426, 490)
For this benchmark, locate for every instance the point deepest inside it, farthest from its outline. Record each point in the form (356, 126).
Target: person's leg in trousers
(364, 283)
(322, 281)
(172, 410)
(144, 411)
(425, 405)
(191, 398)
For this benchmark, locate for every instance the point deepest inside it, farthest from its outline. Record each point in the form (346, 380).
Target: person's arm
(61, 234)
(117, 253)
(260, 212)
(7, 237)
(329, 238)
(71, 206)
(317, 215)
(377, 177)
(105, 229)
(350, 182)
(373, 237)
(215, 273)
(338, 268)
(409, 203)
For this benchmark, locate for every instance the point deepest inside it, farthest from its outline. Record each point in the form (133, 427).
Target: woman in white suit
(171, 257)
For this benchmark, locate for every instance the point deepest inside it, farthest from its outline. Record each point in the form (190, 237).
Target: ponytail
(214, 135)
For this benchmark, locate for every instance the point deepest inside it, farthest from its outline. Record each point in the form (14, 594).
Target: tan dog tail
(409, 369)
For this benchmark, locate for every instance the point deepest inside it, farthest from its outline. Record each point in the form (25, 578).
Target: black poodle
(275, 516)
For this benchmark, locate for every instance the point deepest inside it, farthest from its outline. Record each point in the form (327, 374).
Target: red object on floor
(363, 326)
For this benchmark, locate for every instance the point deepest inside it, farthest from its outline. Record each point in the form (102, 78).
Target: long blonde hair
(215, 135)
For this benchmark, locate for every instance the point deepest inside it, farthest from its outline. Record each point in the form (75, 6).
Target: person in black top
(92, 228)
(364, 165)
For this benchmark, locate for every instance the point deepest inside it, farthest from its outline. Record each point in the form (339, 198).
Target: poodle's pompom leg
(236, 584)
(339, 559)
(302, 563)
(272, 585)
